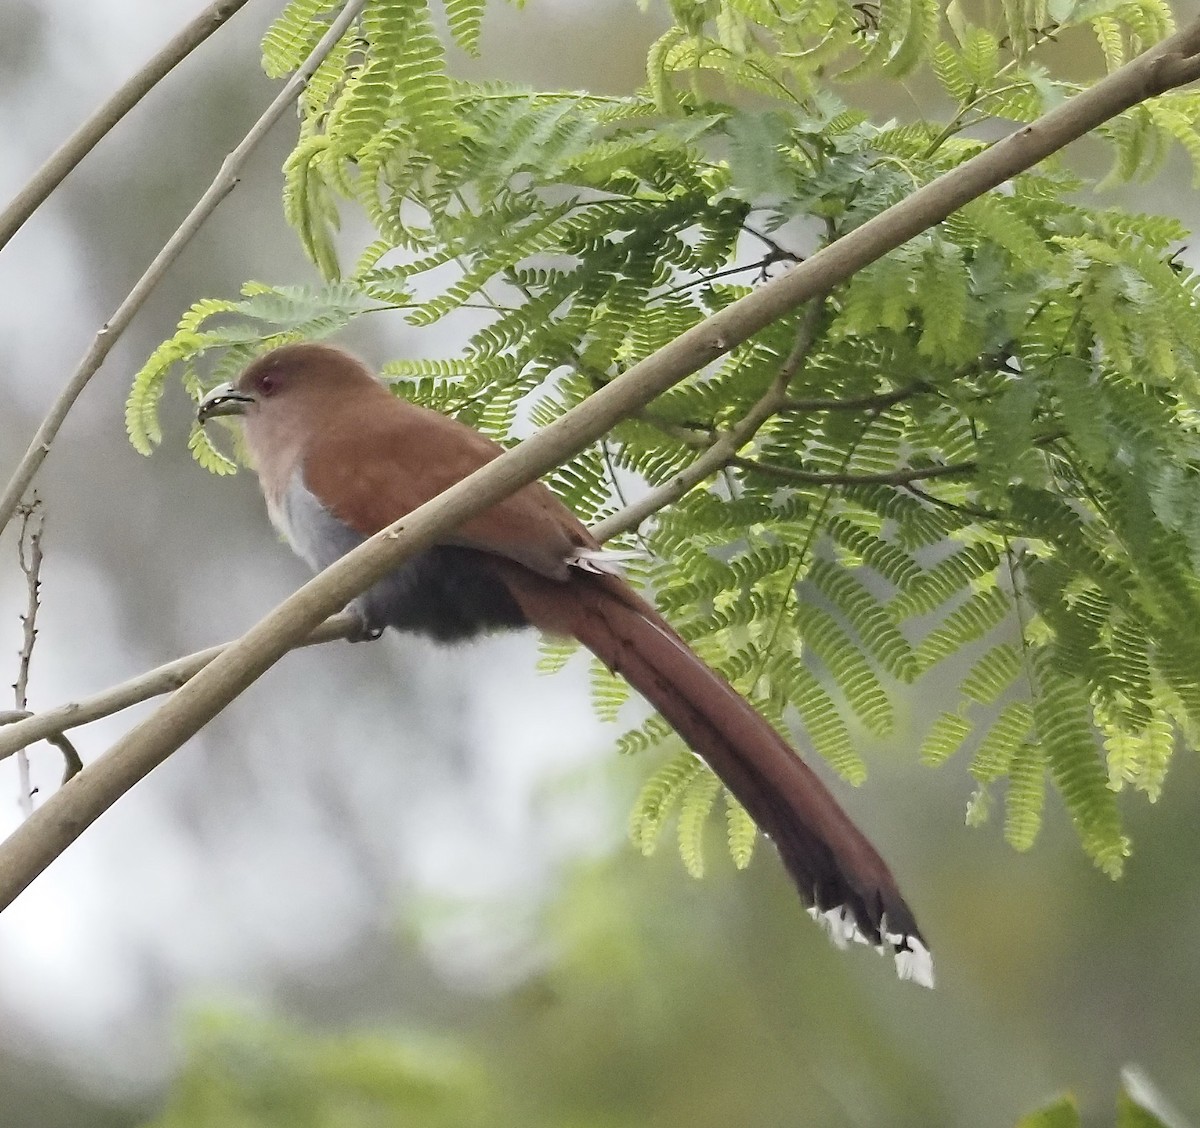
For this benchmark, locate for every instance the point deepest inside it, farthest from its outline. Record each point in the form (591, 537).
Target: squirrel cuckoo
(339, 458)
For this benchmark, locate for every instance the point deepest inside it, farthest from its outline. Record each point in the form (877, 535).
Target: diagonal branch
(724, 447)
(60, 163)
(224, 183)
(22, 729)
(67, 813)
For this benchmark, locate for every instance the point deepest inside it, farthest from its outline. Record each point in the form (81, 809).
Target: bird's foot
(365, 631)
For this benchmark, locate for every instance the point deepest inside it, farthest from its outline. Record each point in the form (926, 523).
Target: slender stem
(225, 182)
(990, 515)
(778, 250)
(66, 814)
(899, 477)
(723, 448)
(21, 729)
(876, 402)
(959, 122)
(802, 557)
(725, 272)
(84, 139)
(29, 557)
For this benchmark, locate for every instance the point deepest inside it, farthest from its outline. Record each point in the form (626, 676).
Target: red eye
(267, 383)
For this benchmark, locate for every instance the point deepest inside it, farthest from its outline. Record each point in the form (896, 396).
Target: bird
(340, 457)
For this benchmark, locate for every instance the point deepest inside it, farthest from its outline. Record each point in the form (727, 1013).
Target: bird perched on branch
(339, 458)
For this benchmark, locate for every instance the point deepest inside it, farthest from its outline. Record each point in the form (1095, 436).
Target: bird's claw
(364, 632)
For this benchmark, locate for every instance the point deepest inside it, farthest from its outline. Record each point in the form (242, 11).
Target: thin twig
(72, 764)
(778, 250)
(802, 558)
(29, 557)
(224, 183)
(899, 477)
(723, 446)
(806, 337)
(70, 811)
(990, 515)
(761, 266)
(615, 479)
(60, 163)
(26, 727)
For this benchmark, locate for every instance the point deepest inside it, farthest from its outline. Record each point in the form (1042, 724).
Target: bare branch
(29, 727)
(721, 450)
(67, 813)
(991, 515)
(715, 458)
(29, 556)
(72, 764)
(85, 138)
(806, 337)
(902, 476)
(899, 477)
(225, 182)
(777, 251)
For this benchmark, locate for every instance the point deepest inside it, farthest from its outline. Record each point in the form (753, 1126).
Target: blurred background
(393, 873)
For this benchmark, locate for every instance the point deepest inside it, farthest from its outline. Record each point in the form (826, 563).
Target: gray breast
(446, 592)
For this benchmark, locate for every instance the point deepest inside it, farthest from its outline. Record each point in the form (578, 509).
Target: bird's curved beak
(224, 399)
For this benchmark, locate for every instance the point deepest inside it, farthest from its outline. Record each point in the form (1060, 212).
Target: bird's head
(301, 379)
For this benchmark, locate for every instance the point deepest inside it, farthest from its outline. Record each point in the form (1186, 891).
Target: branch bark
(20, 729)
(224, 183)
(723, 449)
(60, 163)
(67, 813)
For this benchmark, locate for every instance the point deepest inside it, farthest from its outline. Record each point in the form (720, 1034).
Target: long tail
(841, 878)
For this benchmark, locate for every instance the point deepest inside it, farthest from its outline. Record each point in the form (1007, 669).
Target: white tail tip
(913, 959)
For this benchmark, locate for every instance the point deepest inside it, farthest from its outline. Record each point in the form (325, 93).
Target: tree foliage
(258, 1075)
(989, 455)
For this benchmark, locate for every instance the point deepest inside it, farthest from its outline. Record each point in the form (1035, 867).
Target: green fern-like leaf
(825, 727)
(996, 751)
(1140, 757)
(992, 674)
(659, 797)
(554, 653)
(970, 621)
(874, 626)
(694, 808)
(203, 451)
(293, 34)
(741, 832)
(861, 687)
(1026, 796)
(1068, 746)
(944, 738)
(465, 18)
(609, 692)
